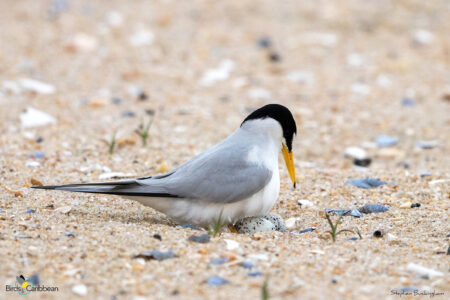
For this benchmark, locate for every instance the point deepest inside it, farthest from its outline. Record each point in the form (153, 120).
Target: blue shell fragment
(386, 140)
(352, 239)
(355, 213)
(203, 238)
(37, 154)
(339, 212)
(219, 261)
(31, 211)
(366, 183)
(216, 281)
(373, 208)
(307, 230)
(408, 102)
(254, 274)
(155, 254)
(189, 226)
(246, 264)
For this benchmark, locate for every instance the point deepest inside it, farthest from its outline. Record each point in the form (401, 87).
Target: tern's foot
(269, 222)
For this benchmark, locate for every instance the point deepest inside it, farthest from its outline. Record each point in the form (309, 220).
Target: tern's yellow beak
(289, 159)
(24, 285)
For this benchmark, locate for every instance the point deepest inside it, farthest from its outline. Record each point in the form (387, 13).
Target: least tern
(234, 179)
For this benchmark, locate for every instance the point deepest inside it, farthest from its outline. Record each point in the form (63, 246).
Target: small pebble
(155, 254)
(219, 261)
(246, 264)
(305, 203)
(254, 274)
(31, 211)
(71, 234)
(274, 57)
(36, 86)
(426, 144)
(362, 162)
(231, 245)
(35, 118)
(39, 140)
(37, 154)
(307, 230)
(352, 239)
(415, 205)
(386, 140)
(448, 250)
(128, 114)
(203, 238)
(116, 100)
(373, 208)
(408, 102)
(80, 289)
(425, 174)
(189, 226)
(157, 236)
(378, 233)
(264, 42)
(366, 183)
(290, 223)
(216, 281)
(356, 153)
(406, 204)
(142, 96)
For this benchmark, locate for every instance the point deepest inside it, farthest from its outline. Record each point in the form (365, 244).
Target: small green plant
(334, 227)
(143, 130)
(217, 225)
(265, 290)
(112, 143)
(358, 233)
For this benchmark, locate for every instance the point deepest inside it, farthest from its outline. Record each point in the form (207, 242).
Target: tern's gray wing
(221, 174)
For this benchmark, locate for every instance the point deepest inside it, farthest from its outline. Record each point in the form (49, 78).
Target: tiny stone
(216, 281)
(426, 144)
(128, 114)
(71, 234)
(366, 183)
(373, 208)
(116, 100)
(362, 162)
(264, 42)
(386, 141)
(30, 211)
(408, 102)
(246, 264)
(157, 236)
(80, 289)
(415, 205)
(307, 230)
(305, 203)
(274, 57)
(39, 140)
(188, 226)
(203, 238)
(37, 154)
(423, 272)
(219, 261)
(254, 274)
(142, 96)
(356, 153)
(155, 254)
(352, 239)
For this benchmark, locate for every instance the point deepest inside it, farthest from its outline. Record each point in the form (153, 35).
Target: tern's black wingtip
(44, 187)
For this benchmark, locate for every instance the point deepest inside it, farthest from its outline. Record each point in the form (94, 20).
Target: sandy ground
(343, 69)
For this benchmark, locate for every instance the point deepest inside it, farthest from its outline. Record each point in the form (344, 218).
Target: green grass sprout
(334, 227)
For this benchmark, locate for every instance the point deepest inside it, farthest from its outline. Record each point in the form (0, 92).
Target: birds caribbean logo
(23, 282)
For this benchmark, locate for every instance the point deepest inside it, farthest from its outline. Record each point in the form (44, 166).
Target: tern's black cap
(280, 113)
